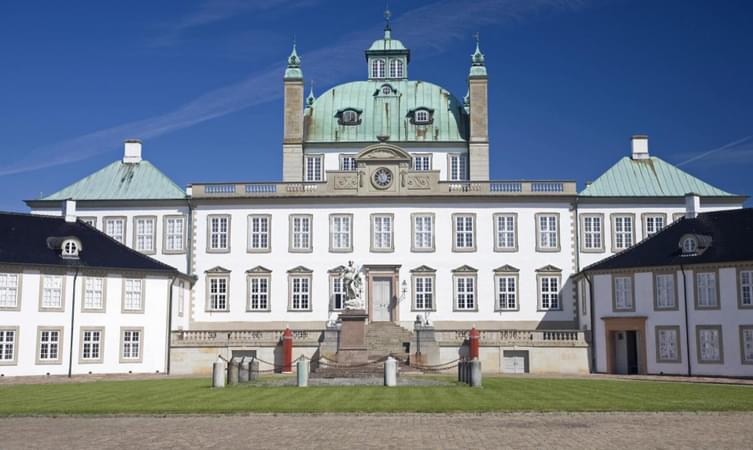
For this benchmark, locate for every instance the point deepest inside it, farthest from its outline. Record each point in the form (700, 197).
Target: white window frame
(397, 68)
(547, 232)
(174, 234)
(457, 167)
(746, 344)
(313, 168)
(258, 298)
(665, 289)
(421, 117)
(348, 163)
(653, 223)
(94, 297)
(592, 233)
(378, 68)
(218, 293)
(133, 295)
(622, 293)
(422, 162)
(259, 233)
(10, 291)
(465, 292)
(145, 234)
(49, 343)
(422, 232)
(674, 345)
(340, 233)
(464, 232)
(115, 227)
(336, 292)
(382, 232)
(505, 232)
(8, 345)
(745, 289)
(546, 295)
(131, 345)
(94, 347)
(623, 231)
(51, 292)
(424, 291)
(218, 233)
(506, 292)
(301, 233)
(299, 292)
(708, 337)
(707, 290)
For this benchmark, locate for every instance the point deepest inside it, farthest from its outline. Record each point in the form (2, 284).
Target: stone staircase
(387, 338)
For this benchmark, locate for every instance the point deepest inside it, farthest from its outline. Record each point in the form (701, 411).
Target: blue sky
(200, 82)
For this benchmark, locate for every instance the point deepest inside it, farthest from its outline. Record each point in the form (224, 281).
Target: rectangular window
(549, 288)
(348, 163)
(300, 293)
(218, 293)
(340, 232)
(665, 297)
(49, 346)
(623, 232)
(52, 292)
(131, 345)
(181, 297)
(258, 233)
(422, 162)
(709, 344)
(623, 294)
(91, 345)
(91, 221)
(133, 291)
(314, 168)
(7, 346)
(424, 293)
(746, 344)
(547, 238)
(300, 233)
(505, 238)
(507, 292)
(653, 224)
(381, 232)
(464, 228)
(175, 234)
(706, 290)
(593, 232)
(337, 292)
(668, 344)
(94, 294)
(458, 167)
(115, 228)
(423, 232)
(746, 289)
(144, 234)
(465, 293)
(258, 293)
(9, 290)
(219, 233)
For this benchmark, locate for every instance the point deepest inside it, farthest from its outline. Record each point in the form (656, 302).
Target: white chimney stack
(639, 146)
(132, 154)
(69, 210)
(692, 205)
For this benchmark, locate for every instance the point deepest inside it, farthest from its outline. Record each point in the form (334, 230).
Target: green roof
(650, 177)
(386, 45)
(449, 117)
(122, 181)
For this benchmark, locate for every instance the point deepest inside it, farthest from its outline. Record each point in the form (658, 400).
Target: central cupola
(387, 58)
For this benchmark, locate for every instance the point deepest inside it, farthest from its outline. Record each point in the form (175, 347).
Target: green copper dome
(385, 111)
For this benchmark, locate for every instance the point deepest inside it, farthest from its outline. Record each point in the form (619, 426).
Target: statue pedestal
(352, 348)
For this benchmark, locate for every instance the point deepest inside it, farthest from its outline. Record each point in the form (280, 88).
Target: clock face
(382, 178)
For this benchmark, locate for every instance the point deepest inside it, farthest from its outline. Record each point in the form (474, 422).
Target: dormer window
(349, 116)
(70, 248)
(386, 89)
(377, 68)
(396, 68)
(689, 246)
(694, 244)
(421, 116)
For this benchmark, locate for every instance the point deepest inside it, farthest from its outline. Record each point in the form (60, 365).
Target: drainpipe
(169, 323)
(593, 321)
(189, 239)
(687, 328)
(73, 314)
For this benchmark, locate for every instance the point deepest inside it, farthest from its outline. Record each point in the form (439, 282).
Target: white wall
(29, 318)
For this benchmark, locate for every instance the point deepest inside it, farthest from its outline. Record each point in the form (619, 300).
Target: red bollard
(287, 351)
(473, 340)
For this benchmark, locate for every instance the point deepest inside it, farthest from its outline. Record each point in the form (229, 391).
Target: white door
(514, 361)
(620, 353)
(381, 299)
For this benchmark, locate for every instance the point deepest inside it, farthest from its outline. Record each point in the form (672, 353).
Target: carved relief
(346, 182)
(418, 181)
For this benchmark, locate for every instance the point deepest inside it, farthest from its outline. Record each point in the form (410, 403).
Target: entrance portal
(381, 299)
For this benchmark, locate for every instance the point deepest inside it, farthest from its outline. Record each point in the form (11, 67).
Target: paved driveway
(333, 431)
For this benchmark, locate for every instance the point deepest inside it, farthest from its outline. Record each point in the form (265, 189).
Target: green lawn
(498, 394)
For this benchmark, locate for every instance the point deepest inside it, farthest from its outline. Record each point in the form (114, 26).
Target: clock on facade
(382, 178)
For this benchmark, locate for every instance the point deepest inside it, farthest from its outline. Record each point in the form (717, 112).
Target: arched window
(422, 116)
(377, 68)
(689, 245)
(349, 117)
(70, 248)
(396, 68)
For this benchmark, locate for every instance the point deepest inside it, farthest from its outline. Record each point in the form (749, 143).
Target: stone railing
(252, 338)
(531, 338)
(412, 183)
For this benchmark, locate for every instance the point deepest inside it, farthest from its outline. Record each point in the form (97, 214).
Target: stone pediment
(549, 269)
(259, 269)
(423, 269)
(338, 269)
(506, 269)
(300, 269)
(217, 269)
(383, 152)
(464, 269)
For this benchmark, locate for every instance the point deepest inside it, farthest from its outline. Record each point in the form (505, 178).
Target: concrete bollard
(243, 371)
(253, 370)
(218, 373)
(475, 373)
(232, 372)
(302, 372)
(390, 372)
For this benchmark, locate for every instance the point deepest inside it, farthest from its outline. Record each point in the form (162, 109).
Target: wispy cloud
(738, 151)
(332, 63)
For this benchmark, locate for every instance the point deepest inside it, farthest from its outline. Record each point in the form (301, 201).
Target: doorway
(626, 352)
(381, 299)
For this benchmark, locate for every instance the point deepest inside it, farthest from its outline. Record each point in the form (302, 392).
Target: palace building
(393, 174)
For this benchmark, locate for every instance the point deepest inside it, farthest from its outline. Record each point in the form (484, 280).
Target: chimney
(692, 205)
(132, 154)
(639, 146)
(69, 210)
